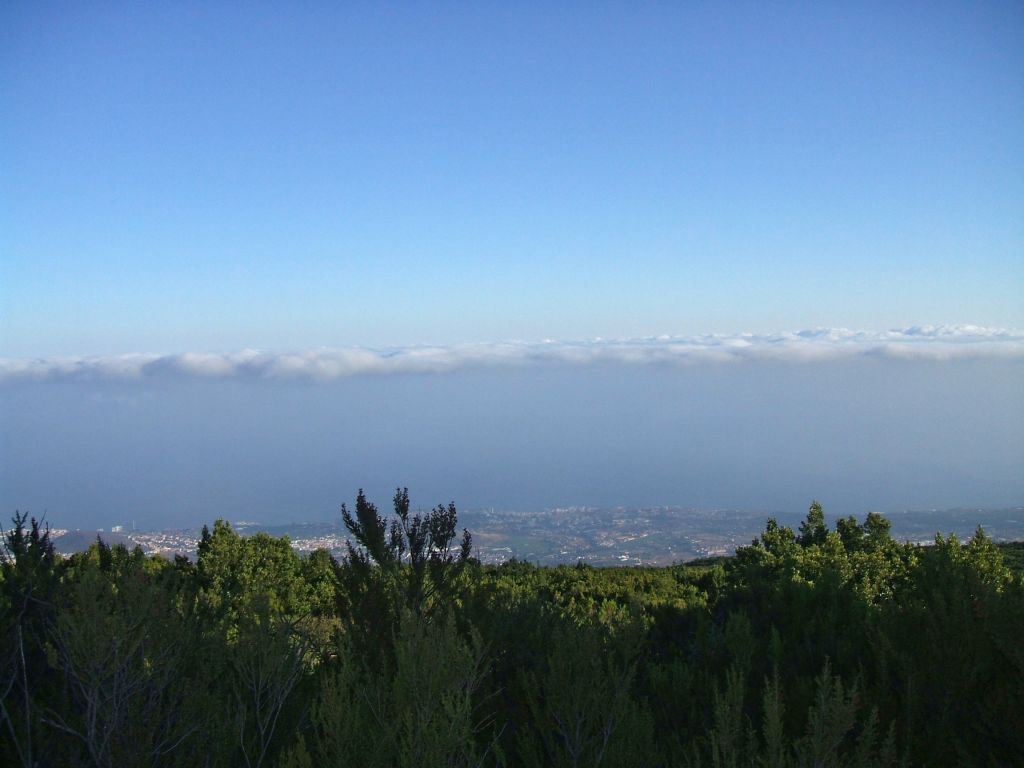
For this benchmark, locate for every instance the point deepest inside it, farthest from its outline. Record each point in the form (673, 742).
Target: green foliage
(816, 647)
(121, 648)
(834, 737)
(812, 529)
(732, 741)
(263, 609)
(28, 585)
(418, 711)
(264, 668)
(233, 571)
(954, 643)
(582, 705)
(1013, 555)
(417, 550)
(830, 719)
(409, 564)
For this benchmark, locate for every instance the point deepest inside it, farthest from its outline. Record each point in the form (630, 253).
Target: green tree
(263, 635)
(581, 703)
(122, 649)
(418, 709)
(813, 529)
(951, 644)
(417, 550)
(28, 585)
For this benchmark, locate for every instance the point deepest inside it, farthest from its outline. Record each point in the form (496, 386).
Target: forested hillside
(809, 647)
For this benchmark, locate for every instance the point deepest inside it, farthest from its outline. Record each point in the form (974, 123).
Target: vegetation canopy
(814, 647)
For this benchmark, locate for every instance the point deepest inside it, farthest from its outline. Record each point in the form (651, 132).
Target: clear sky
(254, 256)
(216, 176)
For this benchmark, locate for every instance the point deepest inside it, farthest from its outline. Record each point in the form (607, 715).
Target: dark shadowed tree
(28, 580)
(416, 550)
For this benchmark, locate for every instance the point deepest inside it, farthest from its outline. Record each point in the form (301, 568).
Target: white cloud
(819, 344)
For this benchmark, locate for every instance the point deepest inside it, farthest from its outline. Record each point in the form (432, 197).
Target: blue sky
(707, 254)
(198, 176)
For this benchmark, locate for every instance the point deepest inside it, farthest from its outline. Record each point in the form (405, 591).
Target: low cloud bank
(327, 364)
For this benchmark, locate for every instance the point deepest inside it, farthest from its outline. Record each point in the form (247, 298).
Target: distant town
(597, 536)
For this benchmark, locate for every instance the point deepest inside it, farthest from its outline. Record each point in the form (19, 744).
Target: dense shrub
(809, 647)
